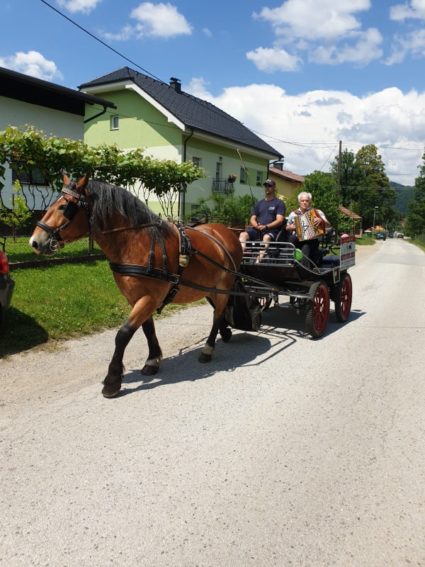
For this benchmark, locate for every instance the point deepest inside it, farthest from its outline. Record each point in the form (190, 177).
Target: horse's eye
(62, 207)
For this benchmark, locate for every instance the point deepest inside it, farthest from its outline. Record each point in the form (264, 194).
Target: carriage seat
(195, 221)
(330, 261)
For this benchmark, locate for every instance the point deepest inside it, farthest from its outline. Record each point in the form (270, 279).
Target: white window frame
(115, 122)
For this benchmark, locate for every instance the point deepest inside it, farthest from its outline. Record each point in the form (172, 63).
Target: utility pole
(339, 168)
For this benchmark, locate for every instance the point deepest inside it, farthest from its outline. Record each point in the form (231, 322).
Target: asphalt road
(283, 451)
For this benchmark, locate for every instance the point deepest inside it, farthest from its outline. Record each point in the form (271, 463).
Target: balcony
(222, 186)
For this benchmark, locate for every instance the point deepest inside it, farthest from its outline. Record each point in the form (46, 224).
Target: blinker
(70, 210)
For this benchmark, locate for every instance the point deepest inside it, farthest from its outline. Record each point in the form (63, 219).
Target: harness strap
(185, 248)
(144, 271)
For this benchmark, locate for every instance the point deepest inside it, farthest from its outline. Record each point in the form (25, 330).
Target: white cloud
(273, 59)
(325, 31)
(365, 48)
(74, 6)
(415, 9)
(314, 19)
(126, 33)
(32, 63)
(198, 87)
(413, 43)
(160, 20)
(306, 128)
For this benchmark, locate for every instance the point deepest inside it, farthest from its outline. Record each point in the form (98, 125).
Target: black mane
(110, 199)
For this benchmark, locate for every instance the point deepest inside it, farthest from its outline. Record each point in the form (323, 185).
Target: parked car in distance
(398, 235)
(6, 282)
(381, 236)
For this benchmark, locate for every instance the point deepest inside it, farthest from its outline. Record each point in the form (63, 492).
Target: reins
(123, 228)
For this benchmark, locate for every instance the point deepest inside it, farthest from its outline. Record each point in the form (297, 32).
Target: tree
(415, 223)
(374, 188)
(347, 174)
(324, 188)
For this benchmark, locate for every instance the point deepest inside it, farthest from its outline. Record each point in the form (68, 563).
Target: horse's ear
(66, 179)
(82, 182)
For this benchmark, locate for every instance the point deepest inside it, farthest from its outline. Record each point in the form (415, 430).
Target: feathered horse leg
(219, 324)
(112, 382)
(151, 366)
(141, 314)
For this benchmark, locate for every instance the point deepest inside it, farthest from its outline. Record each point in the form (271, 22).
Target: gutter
(105, 107)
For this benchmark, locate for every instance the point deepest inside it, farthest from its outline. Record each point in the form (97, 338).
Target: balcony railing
(222, 186)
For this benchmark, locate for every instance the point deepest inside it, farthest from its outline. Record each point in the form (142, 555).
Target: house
(356, 226)
(288, 184)
(168, 123)
(54, 109)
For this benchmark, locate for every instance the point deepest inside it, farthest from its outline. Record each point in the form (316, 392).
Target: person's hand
(261, 227)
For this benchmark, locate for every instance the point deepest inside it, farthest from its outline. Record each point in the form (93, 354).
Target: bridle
(74, 202)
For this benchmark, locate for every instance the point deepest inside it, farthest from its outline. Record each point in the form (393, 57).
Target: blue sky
(303, 74)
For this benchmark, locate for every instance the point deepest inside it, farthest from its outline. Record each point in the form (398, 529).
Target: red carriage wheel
(342, 297)
(318, 310)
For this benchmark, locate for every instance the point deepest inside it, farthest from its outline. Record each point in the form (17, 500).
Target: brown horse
(154, 262)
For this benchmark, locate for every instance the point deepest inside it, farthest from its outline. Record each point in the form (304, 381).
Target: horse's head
(66, 220)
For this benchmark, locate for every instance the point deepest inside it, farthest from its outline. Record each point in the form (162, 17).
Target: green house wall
(142, 126)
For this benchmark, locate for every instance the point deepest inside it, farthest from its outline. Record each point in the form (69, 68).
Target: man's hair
(308, 195)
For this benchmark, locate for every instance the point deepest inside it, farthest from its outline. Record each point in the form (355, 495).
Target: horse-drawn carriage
(155, 262)
(283, 272)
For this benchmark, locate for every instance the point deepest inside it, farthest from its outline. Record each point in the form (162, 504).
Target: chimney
(176, 84)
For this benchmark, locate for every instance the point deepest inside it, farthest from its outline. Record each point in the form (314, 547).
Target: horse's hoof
(149, 370)
(111, 390)
(205, 357)
(226, 334)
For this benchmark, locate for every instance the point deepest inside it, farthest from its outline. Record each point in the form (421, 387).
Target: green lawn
(19, 250)
(62, 301)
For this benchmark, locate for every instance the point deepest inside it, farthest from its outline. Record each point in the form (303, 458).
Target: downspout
(96, 115)
(91, 243)
(182, 199)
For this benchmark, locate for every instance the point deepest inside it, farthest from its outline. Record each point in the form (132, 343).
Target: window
(243, 175)
(259, 178)
(33, 177)
(197, 161)
(219, 170)
(115, 122)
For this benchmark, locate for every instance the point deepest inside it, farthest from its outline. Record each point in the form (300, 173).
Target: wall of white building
(51, 122)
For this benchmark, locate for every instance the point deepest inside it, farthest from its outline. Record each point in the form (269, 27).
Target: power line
(99, 40)
(322, 144)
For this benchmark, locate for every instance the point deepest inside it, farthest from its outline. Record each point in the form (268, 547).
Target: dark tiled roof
(192, 111)
(36, 91)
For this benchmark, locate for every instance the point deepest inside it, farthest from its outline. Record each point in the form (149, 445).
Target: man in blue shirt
(267, 217)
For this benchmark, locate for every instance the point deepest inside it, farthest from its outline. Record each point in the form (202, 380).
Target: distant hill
(404, 194)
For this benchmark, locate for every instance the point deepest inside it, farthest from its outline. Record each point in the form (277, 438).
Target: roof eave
(231, 143)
